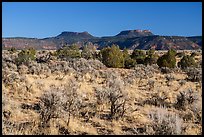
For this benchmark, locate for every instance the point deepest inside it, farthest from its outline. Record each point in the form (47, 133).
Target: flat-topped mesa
(135, 33)
(131, 39)
(84, 34)
(139, 30)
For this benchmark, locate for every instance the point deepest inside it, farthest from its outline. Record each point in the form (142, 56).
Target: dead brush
(114, 97)
(165, 123)
(185, 99)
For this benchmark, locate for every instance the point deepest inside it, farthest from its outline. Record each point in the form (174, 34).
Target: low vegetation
(111, 92)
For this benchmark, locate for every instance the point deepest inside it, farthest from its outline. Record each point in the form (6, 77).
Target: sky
(49, 19)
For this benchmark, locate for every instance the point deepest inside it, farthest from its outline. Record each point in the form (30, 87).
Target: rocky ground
(80, 96)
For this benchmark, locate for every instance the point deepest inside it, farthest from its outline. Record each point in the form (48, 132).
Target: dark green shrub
(167, 60)
(112, 57)
(193, 54)
(180, 54)
(12, 50)
(25, 56)
(139, 56)
(172, 52)
(32, 51)
(150, 52)
(129, 63)
(126, 55)
(68, 52)
(187, 61)
(151, 57)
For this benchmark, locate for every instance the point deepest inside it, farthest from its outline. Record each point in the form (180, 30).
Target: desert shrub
(9, 66)
(112, 57)
(39, 68)
(194, 74)
(67, 52)
(169, 77)
(142, 71)
(25, 56)
(44, 58)
(151, 83)
(125, 53)
(165, 123)
(187, 61)
(50, 107)
(88, 52)
(9, 59)
(185, 99)
(151, 57)
(193, 54)
(9, 77)
(59, 103)
(130, 63)
(166, 70)
(12, 50)
(157, 99)
(182, 82)
(34, 68)
(84, 66)
(139, 56)
(22, 69)
(168, 59)
(71, 101)
(180, 54)
(114, 97)
(199, 64)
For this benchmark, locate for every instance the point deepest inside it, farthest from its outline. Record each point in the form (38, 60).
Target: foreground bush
(113, 95)
(165, 123)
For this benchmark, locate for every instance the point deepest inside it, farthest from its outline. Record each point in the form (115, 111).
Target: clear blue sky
(47, 19)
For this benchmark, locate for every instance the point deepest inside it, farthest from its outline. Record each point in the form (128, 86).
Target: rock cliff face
(21, 43)
(131, 39)
(135, 33)
(196, 39)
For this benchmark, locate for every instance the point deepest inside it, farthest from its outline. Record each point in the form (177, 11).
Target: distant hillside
(196, 39)
(21, 43)
(131, 39)
(152, 42)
